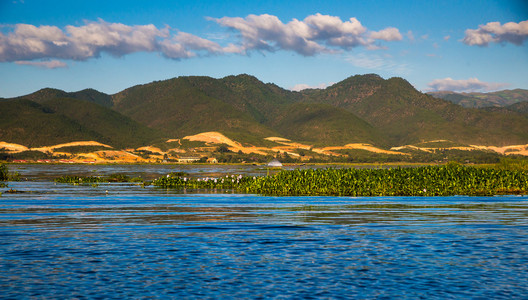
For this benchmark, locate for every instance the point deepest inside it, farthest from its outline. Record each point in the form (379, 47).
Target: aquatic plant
(422, 181)
(225, 182)
(78, 179)
(452, 179)
(4, 173)
(72, 179)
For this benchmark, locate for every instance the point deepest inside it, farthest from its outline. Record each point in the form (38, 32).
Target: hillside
(407, 116)
(31, 124)
(479, 100)
(116, 129)
(242, 107)
(62, 120)
(521, 107)
(178, 107)
(323, 124)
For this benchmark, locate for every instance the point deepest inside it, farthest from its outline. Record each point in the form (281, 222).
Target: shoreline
(238, 164)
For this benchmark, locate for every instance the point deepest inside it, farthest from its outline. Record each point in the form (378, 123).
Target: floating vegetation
(94, 180)
(448, 180)
(226, 182)
(6, 176)
(4, 173)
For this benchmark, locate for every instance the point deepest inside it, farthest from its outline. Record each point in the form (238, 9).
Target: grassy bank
(452, 179)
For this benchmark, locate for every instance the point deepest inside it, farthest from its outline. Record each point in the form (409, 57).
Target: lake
(124, 241)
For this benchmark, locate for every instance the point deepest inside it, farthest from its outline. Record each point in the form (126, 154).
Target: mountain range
(359, 109)
(506, 98)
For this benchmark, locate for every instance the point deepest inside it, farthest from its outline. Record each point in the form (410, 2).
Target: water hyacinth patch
(96, 179)
(227, 182)
(422, 181)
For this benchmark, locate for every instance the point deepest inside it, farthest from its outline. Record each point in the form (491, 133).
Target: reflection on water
(125, 241)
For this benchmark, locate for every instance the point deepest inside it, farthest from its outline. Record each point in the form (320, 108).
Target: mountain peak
(243, 78)
(45, 94)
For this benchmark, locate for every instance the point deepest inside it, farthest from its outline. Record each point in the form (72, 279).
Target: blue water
(123, 241)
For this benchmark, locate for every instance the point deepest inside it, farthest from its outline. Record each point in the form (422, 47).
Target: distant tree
(222, 149)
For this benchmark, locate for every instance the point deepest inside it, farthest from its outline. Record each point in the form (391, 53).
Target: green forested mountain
(61, 120)
(407, 116)
(115, 128)
(361, 108)
(325, 125)
(179, 107)
(31, 124)
(89, 95)
(479, 100)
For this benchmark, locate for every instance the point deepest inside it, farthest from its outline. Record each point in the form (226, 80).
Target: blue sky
(112, 45)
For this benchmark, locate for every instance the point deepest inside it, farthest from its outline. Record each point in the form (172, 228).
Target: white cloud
(268, 33)
(185, 45)
(376, 62)
(304, 86)
(171, 49)
(28, 42)
(194, 42)
(387, 34)
(315, 34)
(494, 32)
(464, 85)
(115, 38)
(50, 64)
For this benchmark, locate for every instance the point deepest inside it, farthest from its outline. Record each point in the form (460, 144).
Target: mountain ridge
(360, 108)
(502, 98)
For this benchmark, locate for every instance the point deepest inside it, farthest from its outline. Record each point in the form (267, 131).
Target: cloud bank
(29, 42)
(314, 35)
(464, 85)
(494, 32)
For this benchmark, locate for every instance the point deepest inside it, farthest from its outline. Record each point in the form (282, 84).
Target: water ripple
(82, 242)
